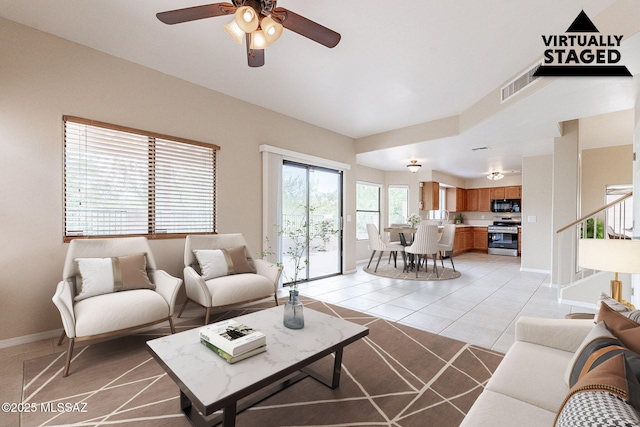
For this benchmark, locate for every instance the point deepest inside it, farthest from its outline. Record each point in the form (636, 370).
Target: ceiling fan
(259, 20)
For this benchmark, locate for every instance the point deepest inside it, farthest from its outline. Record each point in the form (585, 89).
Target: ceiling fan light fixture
(414, 166)
(247, 19)
(272, 29)
(494, 176)
(258, 40)
(234, 31)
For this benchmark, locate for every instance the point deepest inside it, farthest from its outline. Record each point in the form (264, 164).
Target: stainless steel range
(503, 235)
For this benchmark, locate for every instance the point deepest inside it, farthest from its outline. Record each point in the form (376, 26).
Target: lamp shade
(247, 19)
(272, 30)
(616, 255)
(258, 40)
(414, 166)
(234, 31)
(494, 176)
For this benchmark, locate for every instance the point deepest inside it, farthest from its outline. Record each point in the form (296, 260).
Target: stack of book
(233, 341)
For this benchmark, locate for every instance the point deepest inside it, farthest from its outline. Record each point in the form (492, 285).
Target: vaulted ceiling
(400, 71)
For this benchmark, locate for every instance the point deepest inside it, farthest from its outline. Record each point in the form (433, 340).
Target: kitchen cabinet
(456, 199)
(484, 200)
(463, 240)
(519, 241)
(472, 200)
(514, 192)
(481, 239)
(430, 196)
(497, 193)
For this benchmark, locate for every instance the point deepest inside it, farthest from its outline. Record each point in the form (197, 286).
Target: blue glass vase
(293, 314)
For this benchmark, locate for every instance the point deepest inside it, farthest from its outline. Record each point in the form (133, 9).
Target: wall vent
(521, 82)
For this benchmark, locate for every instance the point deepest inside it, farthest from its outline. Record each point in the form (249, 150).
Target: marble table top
(209, 381)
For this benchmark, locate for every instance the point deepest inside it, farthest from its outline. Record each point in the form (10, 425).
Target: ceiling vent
(521, 82)
(480, 148)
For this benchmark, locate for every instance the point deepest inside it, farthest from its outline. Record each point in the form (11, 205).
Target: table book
(233, 359)
(232, 337)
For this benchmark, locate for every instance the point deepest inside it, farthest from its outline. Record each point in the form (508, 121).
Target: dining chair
(377, 244)
(396, 238)
(425, 243)
(445, 244)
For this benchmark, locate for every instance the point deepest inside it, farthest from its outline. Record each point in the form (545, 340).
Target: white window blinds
(122, 181)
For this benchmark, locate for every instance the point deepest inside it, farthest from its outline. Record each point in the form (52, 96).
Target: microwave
(506, 205)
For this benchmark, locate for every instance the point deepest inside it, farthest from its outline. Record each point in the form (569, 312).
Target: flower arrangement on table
(414, 220)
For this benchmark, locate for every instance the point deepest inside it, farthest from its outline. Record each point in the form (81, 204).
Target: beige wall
(42, 78)
(537, 180)
(602, 167)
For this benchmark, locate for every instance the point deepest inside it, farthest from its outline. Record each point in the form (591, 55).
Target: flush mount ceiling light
(414, 166)
(259, 20)
(494, 176)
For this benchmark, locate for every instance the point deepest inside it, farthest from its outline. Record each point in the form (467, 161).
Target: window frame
(152, 138)
(378, 211)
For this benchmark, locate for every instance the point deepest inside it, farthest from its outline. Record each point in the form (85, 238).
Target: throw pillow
(612, 303)
(625, 329)
(100, 276)
(609, 395)
(222, 262)
(598, 338)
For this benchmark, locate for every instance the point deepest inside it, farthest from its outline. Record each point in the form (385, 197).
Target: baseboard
(535, 270)
(26, 339)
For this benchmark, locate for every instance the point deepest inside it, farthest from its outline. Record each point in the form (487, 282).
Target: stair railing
(607, 222)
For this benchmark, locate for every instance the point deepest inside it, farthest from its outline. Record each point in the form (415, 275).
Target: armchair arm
(563, 334)
(63, 300)
(167, 286)
(269, 270)
(196, 288)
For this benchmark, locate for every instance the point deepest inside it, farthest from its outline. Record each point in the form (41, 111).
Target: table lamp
(616, 255)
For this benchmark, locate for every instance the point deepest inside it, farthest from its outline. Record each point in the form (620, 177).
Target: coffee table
(208, 383)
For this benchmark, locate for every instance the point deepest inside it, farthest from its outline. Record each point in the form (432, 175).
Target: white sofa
(112, 313)
(228, 289)
(528, 387)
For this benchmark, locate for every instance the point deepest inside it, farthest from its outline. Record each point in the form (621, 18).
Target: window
(367, 208)
(398, 204)
(121, 181)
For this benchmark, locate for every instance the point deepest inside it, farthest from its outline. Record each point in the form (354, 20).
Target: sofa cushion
(534, 374)
(605, 396)
(100, 276)
(625, 329)
(498, 410)
(222, 262)
(119, 310)
(239, 288)
(598, 338)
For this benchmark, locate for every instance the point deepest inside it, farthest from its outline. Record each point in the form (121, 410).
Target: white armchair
(227, 287)
(96, 305)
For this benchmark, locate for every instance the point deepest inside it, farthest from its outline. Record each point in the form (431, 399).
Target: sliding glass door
(311, 200)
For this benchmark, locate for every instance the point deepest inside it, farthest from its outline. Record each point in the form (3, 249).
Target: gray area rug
(396, 376)
(388, 270)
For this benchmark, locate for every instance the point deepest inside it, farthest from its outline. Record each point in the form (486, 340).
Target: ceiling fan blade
(306, 27)
(255, 57)
(194, 13)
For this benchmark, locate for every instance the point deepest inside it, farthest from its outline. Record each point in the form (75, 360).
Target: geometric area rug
(395, 376)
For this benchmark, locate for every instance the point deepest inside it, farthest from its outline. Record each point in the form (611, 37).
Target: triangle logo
(582, 24)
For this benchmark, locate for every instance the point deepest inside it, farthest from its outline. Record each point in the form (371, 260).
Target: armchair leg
(379, 258)
(275, 296)
(68, 360)
(64, 334)
(435, 265)
(206, 317)
(183, 306)
(173, 330)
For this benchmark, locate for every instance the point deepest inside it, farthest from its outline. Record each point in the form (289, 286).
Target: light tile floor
(480, 307)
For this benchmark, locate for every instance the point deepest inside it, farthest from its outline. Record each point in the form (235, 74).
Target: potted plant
(459, 219)
(301, 238)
